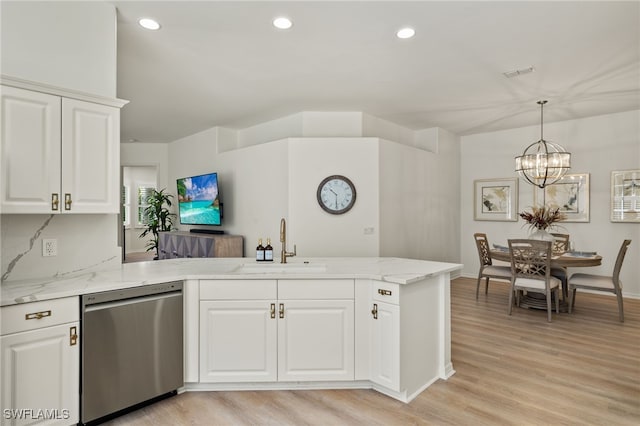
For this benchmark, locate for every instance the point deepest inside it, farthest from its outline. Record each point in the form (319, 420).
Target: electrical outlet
(368, 230)
(49, 247)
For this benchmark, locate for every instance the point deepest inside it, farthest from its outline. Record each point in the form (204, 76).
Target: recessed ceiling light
(406, 32)
(282, 23)
(149, 23)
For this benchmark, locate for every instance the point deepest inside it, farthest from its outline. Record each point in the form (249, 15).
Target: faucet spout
(283, 239)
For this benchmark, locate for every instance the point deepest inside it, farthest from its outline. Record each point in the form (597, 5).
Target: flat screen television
(199, 201)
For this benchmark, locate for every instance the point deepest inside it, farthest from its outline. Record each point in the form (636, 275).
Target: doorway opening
(137, 182)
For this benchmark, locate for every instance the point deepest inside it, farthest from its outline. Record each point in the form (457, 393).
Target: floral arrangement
(542, 217)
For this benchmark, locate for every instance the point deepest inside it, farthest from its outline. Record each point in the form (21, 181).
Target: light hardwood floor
(580, 369)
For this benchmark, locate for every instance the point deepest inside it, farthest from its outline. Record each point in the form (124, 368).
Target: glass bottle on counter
(260, 251)
(268, 251)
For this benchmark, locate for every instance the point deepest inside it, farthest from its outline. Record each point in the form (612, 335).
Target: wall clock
(336, 194)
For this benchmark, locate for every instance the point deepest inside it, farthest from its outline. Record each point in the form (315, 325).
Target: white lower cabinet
(385, 345)
(40, 363)
(315, 340)
(404, 329)
(286, 337)
(238, 341)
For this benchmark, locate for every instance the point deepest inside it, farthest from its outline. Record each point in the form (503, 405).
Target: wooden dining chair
(487, 268)
(610, 284)
(531, 271)
(560, 246)
(560, 243)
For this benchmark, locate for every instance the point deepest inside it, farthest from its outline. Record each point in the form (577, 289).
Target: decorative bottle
(268, 251)
(260, 251)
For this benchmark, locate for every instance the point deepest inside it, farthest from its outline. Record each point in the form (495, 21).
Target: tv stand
(206, 231)
(175, 244)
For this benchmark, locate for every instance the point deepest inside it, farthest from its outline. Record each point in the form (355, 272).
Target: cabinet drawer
(238, 290)
(315, 289)
(385, 292)
(33, 315)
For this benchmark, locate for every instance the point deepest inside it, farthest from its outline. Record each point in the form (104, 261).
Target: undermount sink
(280, 268)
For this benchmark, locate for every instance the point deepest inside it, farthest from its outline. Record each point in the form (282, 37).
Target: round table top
(565, 261)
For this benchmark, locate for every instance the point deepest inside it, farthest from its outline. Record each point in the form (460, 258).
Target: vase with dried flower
(540, 219)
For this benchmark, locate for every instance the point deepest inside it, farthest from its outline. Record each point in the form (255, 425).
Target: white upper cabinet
(59, 155)
(31, 150)
(90, 157)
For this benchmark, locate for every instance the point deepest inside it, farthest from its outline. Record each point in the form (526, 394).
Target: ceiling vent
(516, 73)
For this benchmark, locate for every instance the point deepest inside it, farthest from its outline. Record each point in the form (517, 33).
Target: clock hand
(334, 192)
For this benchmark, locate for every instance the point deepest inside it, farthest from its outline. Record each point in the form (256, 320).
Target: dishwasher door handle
(130, 301)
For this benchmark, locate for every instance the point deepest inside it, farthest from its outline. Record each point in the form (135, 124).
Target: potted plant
(540, 219)
(158, 218)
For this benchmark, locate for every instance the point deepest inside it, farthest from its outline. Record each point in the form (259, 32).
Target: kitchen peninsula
(381, 323)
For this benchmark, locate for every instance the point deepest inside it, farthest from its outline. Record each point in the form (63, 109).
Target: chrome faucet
(283, 239)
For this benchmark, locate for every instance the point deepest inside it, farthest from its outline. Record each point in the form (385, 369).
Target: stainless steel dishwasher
(132, 349)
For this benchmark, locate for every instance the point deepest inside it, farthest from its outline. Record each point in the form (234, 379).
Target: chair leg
(478, 285)
(620, 308)
(572, 297)
(557, 301)
(486, 286)
(511, 299)
(548, 305)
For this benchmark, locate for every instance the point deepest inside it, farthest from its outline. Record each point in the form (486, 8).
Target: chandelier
(543, 163)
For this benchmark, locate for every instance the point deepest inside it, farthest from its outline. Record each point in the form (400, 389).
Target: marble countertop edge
(393, 270)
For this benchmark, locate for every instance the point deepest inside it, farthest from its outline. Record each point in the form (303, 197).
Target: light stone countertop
(393, 270)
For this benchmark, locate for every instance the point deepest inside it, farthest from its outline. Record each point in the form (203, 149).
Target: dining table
(565, 260)
(571, 259)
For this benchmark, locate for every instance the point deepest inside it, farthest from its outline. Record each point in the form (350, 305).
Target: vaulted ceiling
(217, 63)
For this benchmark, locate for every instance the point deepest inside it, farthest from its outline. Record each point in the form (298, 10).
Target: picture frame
(570, 194)
(625, 196)
(496, 199)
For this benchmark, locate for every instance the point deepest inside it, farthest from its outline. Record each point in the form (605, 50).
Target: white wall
(253, 183)
(598, 145)
(419, 200)
(316, 232)
(266, 181)
(67, 44)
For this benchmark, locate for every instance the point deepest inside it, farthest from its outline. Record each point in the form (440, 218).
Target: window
(126, 205)
(144, 191)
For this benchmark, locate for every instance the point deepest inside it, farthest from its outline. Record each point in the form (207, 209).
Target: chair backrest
(560, 243)
(618, 266)
(482, 243)
(530, 259)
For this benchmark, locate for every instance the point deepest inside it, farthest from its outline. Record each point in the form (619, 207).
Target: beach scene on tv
(198, 200)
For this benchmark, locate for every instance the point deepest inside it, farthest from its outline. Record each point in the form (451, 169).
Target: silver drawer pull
(384, 292)
(37, 315)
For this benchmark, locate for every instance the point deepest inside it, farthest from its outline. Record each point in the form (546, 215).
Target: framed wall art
(625, 196)
(496, 199)
(570, 194)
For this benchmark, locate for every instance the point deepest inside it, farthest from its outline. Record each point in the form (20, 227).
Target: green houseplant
(157, 217)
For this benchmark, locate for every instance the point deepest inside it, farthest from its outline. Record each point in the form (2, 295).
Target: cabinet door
(238, 341)
(30, 151)
(385, 342)
(315, 340)
(40, 376)
(90, 157)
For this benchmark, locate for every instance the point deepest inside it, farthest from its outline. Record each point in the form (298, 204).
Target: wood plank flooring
(580, 369)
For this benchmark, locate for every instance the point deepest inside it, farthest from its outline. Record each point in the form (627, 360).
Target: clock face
(336, 194)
